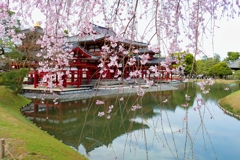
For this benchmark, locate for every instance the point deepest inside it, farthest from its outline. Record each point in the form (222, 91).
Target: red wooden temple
(83, 68)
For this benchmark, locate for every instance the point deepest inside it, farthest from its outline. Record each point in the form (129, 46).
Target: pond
(159, 125)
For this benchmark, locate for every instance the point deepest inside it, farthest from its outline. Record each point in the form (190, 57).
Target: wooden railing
(3, 148)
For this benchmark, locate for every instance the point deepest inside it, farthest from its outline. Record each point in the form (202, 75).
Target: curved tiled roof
(235, 64)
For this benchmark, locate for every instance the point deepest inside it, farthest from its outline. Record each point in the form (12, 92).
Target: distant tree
(9, 53)
(204, 57)
(216, 58)
(190, 64)
(237, 74)
(8, 50)
(220, 69)
(201, 67)
(232, 56)
(204, 65)
(187, 61)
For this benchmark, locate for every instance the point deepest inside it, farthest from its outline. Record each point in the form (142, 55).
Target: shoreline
(101, 91)
(226, 111)
(23, 138)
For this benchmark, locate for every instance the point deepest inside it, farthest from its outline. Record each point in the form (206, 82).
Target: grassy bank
(225, 81)
(231, 102)
(23, 139)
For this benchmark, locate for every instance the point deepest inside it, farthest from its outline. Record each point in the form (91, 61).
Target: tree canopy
(220, 69)
(168, 26)
(187, 62)
(203, 66)
(232, 56)
(237, 75)
(14, 79)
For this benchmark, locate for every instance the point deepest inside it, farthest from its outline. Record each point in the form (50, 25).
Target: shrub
(14, 79)
(237, 74)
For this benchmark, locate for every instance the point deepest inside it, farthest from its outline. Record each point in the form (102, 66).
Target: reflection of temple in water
(77, 122)
(74, 123)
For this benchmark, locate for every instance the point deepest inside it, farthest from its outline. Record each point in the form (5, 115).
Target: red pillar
(72, 77)
(167, 76)
(88, 77)
(64, 77)
(126, 70)
(56, 79)
(79, 78)
(35, 81)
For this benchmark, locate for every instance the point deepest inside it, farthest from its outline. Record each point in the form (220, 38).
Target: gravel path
(100, 91)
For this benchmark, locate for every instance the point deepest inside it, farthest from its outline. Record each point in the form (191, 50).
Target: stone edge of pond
(226, 111)
(98, 92)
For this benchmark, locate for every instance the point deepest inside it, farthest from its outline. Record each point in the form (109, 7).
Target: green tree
(232, 56)
(14, 79)
(216, 58)
(220, 69)
(201, 67)
(8, 50)
(11, 53)
(188, 63)
(204, 65)
(237, 74)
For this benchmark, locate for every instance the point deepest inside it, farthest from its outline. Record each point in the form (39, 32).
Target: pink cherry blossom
(149, 83)
(187, 97)
(184, 105)
(135, 107)
(140, 92)
(132, 61)
(100, 114)
(226, 88)
(110, 107)
(165, 100)
(144, 58)
(185, 119)
(99, 102)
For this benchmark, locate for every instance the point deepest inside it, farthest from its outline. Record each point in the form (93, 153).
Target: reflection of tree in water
(218, 91)
(66, 122)
(77, 122)
(178, 98)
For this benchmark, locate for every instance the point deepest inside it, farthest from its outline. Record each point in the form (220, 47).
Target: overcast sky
(227, 37)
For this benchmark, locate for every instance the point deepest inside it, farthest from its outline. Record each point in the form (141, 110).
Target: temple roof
(100, 33)
(104, 31)
(235, 64)
(145, 50)
(157, 60)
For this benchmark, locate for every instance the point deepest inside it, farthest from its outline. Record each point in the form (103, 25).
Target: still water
(167, 126)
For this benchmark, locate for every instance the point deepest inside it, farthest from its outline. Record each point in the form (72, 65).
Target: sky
(226, 37)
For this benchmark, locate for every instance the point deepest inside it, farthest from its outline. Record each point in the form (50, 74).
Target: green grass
(23, 139)
(225, 81)
(231, 102)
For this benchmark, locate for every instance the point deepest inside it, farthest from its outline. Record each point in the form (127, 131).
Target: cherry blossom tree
(169, 26)
(162, 24)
